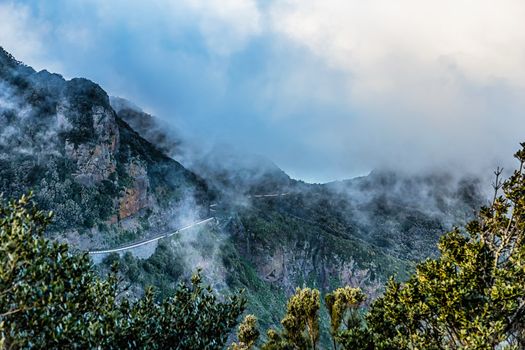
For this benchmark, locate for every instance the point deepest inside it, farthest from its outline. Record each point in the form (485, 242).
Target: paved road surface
(156, 238)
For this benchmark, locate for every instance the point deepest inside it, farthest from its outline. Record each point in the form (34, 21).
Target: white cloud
(428, 81)
(483, 38)
(23, 36)
(227, 25)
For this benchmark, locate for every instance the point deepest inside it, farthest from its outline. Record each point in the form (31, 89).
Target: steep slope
(407, 214)
(63, 140)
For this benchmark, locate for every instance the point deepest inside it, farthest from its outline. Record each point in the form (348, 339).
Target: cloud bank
(432, 81)
(327, 89)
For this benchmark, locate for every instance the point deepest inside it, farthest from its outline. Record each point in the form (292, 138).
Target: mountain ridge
(66, 130)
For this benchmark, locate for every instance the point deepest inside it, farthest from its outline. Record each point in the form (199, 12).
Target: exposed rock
(135, 197)
(96, 160)
(63, 140)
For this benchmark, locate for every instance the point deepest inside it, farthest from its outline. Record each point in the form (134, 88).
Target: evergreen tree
(341, 305)
(247, 334)
(301, 323)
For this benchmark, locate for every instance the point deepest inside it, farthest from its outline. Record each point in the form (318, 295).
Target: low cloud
(25, 35)
(429, 83)
(327, 89)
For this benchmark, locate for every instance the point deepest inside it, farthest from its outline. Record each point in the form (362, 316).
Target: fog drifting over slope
(327, 89)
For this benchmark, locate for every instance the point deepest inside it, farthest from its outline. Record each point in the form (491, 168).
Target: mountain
(63, 140)
(114, 174)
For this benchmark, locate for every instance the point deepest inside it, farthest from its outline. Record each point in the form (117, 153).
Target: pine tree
(247, 334)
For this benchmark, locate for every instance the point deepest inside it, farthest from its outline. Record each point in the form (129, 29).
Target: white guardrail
(156, 238)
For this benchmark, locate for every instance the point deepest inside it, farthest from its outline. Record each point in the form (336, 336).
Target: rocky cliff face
(137, 196)
(96, 160)
(63, 140)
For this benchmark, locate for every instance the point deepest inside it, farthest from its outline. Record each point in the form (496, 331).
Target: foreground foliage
(247, 334)
(50, 298)
(301, 322)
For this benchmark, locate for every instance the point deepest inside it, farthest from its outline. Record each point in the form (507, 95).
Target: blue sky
(327, 89)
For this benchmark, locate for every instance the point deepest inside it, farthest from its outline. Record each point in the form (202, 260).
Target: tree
(192, 319)
(301, 322)
(51, 298)
(473, 295)
(247, 334)
(341, 305)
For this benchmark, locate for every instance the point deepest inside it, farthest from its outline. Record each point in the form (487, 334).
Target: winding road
(156, 238)
(267, 195)
(164, 235)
